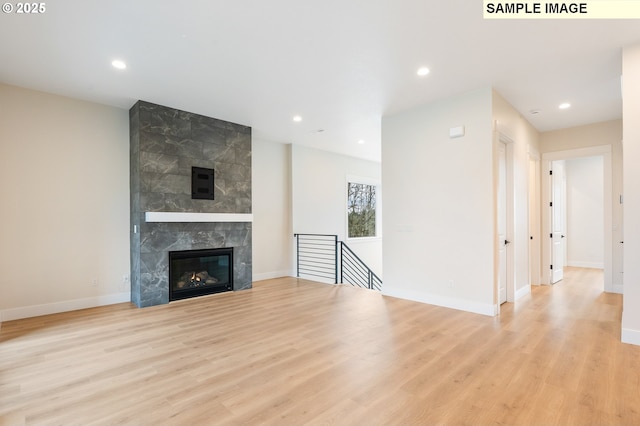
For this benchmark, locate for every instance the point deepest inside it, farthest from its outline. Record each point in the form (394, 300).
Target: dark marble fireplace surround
(165, 144)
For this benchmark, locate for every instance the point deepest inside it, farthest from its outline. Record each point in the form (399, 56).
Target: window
(361, 210)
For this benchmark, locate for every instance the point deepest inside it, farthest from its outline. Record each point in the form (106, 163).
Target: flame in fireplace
(195, 279)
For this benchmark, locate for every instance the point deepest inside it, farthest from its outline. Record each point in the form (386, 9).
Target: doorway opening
(554, 218)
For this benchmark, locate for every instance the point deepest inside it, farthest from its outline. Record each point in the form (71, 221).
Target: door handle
(506, 242)
(561, 236)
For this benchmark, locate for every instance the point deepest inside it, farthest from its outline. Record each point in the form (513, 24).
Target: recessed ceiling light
(423, 71)
(117, 63)
(297, 118)
(534, 111)
(564, 105)
(361, 142)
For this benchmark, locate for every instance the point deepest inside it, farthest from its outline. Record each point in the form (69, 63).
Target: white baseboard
(630, 336)
(583, 264)
(270, 275)
(523, 292)
(446, 302)
(65, 306)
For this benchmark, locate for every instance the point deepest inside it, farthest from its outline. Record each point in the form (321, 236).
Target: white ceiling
(341, 65)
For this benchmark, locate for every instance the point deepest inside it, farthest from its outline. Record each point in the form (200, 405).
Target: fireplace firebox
(195, 273)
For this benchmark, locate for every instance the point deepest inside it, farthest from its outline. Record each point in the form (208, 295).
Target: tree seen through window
(361, 210)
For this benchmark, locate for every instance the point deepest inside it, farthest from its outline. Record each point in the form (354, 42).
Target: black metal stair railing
(355, 272)
(316, 256)
(323, 256)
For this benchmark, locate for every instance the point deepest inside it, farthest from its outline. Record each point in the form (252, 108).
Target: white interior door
(502, 224)
(558, 220)
(534, 223)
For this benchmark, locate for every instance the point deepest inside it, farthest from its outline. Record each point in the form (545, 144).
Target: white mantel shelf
(197, 217)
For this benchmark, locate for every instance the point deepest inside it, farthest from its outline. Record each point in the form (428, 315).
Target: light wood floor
(291, 352)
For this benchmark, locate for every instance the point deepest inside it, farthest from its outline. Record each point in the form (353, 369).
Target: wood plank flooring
(293, 352)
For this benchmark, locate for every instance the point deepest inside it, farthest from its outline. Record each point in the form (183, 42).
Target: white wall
(608, 133)
(439, 206)
(590, 135)
(319, 191)
(631, 176)
(585, 213)
(64, 177)
(271, 205)
(525, 144)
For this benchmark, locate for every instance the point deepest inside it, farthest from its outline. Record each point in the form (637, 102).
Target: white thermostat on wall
(456, 132)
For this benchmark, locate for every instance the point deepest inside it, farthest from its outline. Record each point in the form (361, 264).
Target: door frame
(534, 219)
(510, 284)
(547, 158)
(558, 202)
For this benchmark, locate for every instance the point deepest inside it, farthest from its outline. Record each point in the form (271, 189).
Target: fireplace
(198, 272)
(175, 154)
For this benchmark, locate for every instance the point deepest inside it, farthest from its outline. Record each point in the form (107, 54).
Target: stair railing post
(336, 259)
(297, 237)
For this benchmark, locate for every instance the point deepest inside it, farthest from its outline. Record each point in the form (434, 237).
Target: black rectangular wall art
(201, 183)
